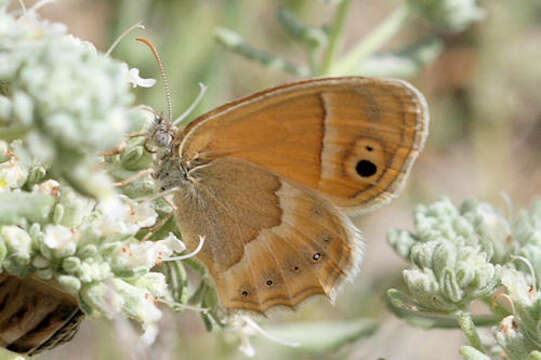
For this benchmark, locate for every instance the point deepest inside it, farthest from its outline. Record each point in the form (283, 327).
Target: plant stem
(400, 305)
(372, 42)
(465, 321)
(312, 58)
(312, 38)
(335, 35)
(233, 42)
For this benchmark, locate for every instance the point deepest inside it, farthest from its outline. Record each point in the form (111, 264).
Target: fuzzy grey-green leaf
(324, 336)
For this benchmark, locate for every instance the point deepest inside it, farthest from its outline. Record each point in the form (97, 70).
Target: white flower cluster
(101, 264)
(62, 85)
(64, 97)
(61, 103)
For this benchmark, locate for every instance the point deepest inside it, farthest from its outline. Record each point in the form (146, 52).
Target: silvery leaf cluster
(451, 252)
(475, 253)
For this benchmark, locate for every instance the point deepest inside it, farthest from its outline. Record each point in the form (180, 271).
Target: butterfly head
(168, 169)
(161, 133)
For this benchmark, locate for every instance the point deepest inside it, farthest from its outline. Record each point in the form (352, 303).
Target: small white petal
(173, 243)
(124, 216)
(61, 239)
(517, 286)
(12, 175)
(132, 77)
(245, 327)
(150, 334)
(246, 347)
(49, 187)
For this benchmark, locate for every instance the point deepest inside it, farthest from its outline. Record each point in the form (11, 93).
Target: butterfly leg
(156, 227)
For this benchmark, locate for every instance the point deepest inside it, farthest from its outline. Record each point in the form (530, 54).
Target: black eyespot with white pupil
(316, 257)
(269, 282)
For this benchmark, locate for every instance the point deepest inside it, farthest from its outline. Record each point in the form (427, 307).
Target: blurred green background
(485, 139)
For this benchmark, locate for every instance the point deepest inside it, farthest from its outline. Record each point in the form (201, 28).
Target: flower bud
(23, 108)
(70, 282)
(18, 242)
(40, 262)
(135, 159)
(36, 174)
(87, 251)
(71, 264)
(401, 241)
(62, 241)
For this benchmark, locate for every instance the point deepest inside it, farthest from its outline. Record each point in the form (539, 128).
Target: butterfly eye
(366, 168)
(163, 139)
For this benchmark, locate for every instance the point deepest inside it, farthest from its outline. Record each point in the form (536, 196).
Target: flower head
(123, 216)
(69, 100)
(451, 251)
(143, 255)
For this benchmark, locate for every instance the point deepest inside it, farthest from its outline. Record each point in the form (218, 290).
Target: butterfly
(270, 179)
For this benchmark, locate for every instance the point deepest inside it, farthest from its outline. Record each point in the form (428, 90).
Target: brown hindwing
(268, 241)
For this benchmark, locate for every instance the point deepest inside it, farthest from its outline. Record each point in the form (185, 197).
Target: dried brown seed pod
(35, 315)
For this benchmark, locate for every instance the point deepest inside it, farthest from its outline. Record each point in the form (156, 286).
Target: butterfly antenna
(162, 73)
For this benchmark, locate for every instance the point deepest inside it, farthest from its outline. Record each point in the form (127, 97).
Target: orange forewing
(352, 139)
